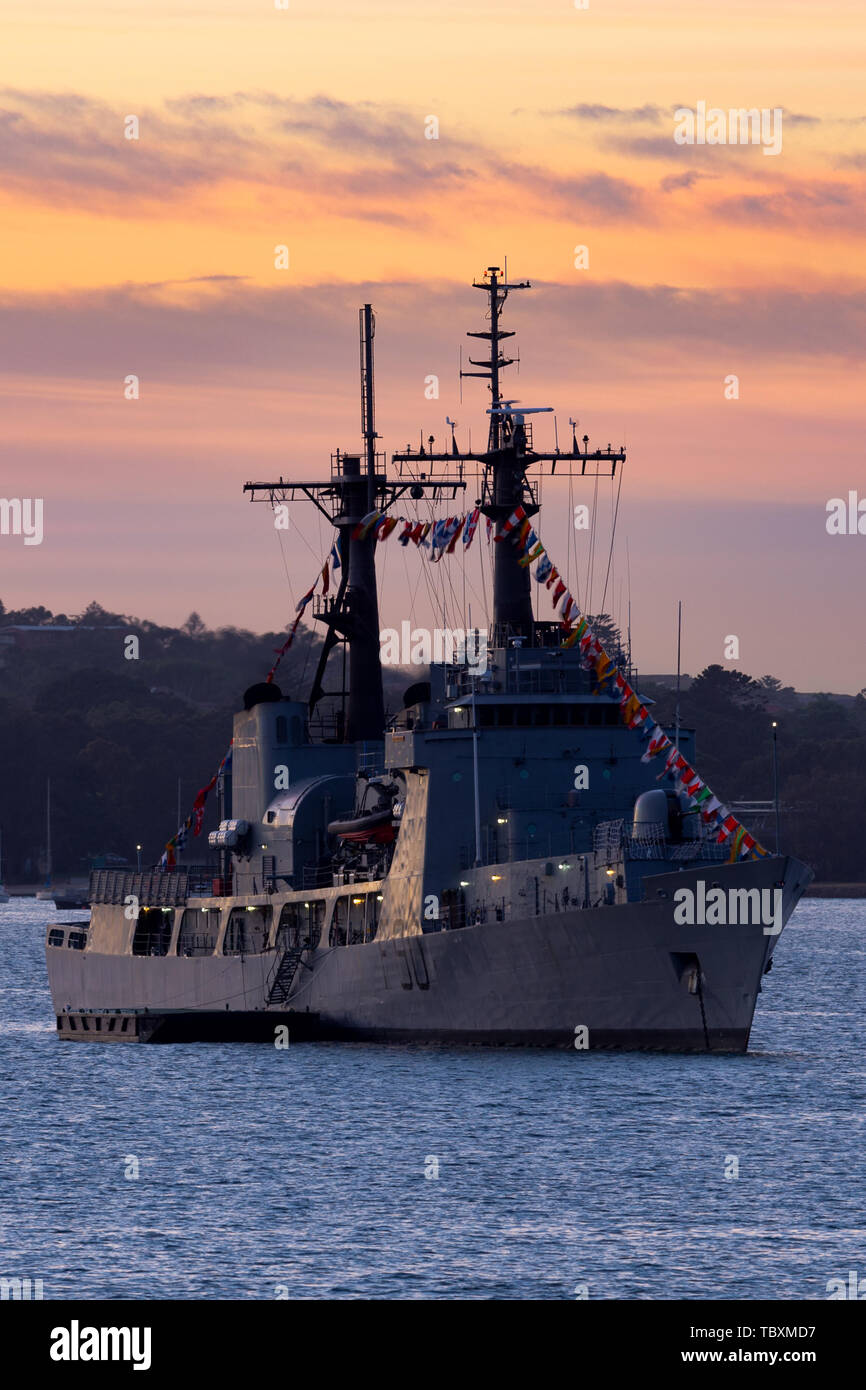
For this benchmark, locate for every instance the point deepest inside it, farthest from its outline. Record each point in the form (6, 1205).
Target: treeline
(114, 734)
(115, 731)
(821, 745)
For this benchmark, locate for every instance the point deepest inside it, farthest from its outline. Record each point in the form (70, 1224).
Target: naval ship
(503, 861)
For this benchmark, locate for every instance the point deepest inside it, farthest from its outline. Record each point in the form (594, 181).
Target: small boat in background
(70, 899)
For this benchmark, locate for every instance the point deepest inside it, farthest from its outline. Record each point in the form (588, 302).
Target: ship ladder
(283, 979)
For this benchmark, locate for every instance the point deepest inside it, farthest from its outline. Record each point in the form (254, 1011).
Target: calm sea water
(264, 1171)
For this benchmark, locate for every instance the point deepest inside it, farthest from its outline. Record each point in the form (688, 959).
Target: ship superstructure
(496, 863)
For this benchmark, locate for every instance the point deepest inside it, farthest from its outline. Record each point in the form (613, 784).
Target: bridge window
(356, 919)
(453, 911)
(301, 924)
(152, 932)
(55, 937)
(247, 931)
(199, 928)
(77, 940)
(282, 729)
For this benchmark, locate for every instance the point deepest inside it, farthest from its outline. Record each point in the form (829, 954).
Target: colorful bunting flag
(630, 708)
(443, 538)
(365, 525)
(471, 526)
(531, 555)
(517, 516)
(727, 827)
(456, 536)
(193, 821)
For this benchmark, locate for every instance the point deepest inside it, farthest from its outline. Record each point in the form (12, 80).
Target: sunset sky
(260, 126)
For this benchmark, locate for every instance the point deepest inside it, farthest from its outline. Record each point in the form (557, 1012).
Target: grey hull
(629, 975)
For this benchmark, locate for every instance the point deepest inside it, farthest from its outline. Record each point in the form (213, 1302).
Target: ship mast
(368, 405)
(510, 453)
(352, 616)
(358, 619)
(497, 292)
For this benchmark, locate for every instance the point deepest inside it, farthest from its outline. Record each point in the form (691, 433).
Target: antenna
(628, 584)
(679, 646)
(368, 409)
(497, 291)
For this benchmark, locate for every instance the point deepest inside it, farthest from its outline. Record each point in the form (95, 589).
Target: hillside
(114, 735)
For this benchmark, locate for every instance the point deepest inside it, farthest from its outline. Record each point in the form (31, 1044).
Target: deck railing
(612, 842)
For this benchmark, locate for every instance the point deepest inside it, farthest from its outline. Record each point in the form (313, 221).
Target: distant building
(21, 635)
(670, 682)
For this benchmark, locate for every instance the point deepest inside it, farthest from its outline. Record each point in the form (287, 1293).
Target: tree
(718, 686)
(28, 617)
(194, 626)
(95, 615)
(607, 633)
(779, 696)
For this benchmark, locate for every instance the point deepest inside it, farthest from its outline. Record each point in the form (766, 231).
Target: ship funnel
(261, 694)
